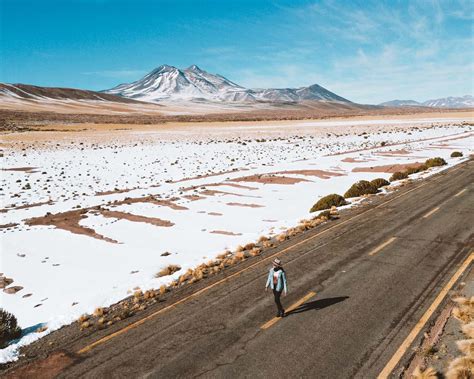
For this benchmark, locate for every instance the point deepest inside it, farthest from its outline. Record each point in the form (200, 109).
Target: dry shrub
(85, 325)
(461, 368)
(398, 176)
(456, 154)
(249, 246)
(240, 255)
(464, 310)
(468, 329)
(379, 182)
(171, 269)
(255, 251)
(435, 162)
(99, 312)
(9, 329)
(263, 239)
(223, 255)
(414, 170)
(162, 289)
(328, 201)
(281, 237)
(83, 318)
(466, 346)
(238, 249)
(267, 244)
(362, 187)
(429, 373)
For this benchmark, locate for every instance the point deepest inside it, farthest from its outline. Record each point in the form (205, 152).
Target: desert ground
(91, 212)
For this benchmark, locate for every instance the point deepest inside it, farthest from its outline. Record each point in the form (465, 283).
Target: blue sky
(366, 51)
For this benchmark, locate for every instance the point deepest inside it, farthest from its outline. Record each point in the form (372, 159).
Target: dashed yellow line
(380, 247)
(460, 192)
(392, 363)
(431, 212)
(290, 308)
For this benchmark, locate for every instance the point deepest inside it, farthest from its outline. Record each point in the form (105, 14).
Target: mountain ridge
(193, 83)
(466, 101)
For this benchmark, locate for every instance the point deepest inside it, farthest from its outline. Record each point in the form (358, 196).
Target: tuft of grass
(435, 162)
(466, 346)
(468, 329)
(380, 182)
(329, 201)
(99, 312)
(456, 154)
(414, 170)
(429, 373)
(170, 270)
(399, 175)
(9, 329)
(362, 187)
(461, 368)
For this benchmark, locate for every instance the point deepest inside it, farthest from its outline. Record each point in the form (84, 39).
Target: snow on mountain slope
(445, 102)
(170, 83)
(451, 102)
(400, 103)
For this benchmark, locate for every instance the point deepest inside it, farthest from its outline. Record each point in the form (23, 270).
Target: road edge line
(397, 356)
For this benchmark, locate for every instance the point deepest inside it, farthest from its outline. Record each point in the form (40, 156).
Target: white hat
(276, 262)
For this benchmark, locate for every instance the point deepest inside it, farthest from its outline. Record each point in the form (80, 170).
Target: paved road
(374, 275)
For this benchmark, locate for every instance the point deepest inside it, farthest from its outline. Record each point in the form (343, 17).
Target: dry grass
(468, 329)
(255, 251)
(429, 373)
(435, 162)
(456, 154)
(466, 346)
(171, 269)
(99, 312)
(461, 368)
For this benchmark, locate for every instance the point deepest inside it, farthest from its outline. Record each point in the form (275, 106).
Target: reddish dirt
(150, 199)
(388, 168)
(209, 175)
(394, 152)
(269, 179)
(245, 205)
(354, 160)
(5, 226)
(68, 221)
(214, 214)
(193, 197)
(225, 233)
(136, 218)
(22, 169)
(25, 206)
(111, 192)
(46, 368)
(318, 173)
(216, 192)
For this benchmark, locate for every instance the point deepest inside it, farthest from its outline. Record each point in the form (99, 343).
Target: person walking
(277, 282)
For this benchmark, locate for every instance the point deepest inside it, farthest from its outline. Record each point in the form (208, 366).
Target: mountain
(170, 83)
(400, 103)
(29, 92)
(451, 102)
(445, 102)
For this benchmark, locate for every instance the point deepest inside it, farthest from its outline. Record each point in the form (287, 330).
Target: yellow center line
(291, 308)
(380, 247)
(424, 319)
(431, 212)
(460, 192)
(270, 257)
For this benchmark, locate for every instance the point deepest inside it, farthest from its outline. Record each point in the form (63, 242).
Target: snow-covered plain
(211, 190)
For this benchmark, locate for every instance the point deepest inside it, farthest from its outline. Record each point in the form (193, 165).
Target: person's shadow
(317, 304)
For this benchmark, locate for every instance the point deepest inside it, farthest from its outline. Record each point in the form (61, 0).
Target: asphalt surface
(367, 298)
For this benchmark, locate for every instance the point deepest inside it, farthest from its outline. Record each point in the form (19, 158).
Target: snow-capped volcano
(445, 102)
(170, 83)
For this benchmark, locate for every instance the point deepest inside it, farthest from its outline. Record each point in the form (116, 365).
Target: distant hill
(173, 84)
(445, 102)
(29, 92)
